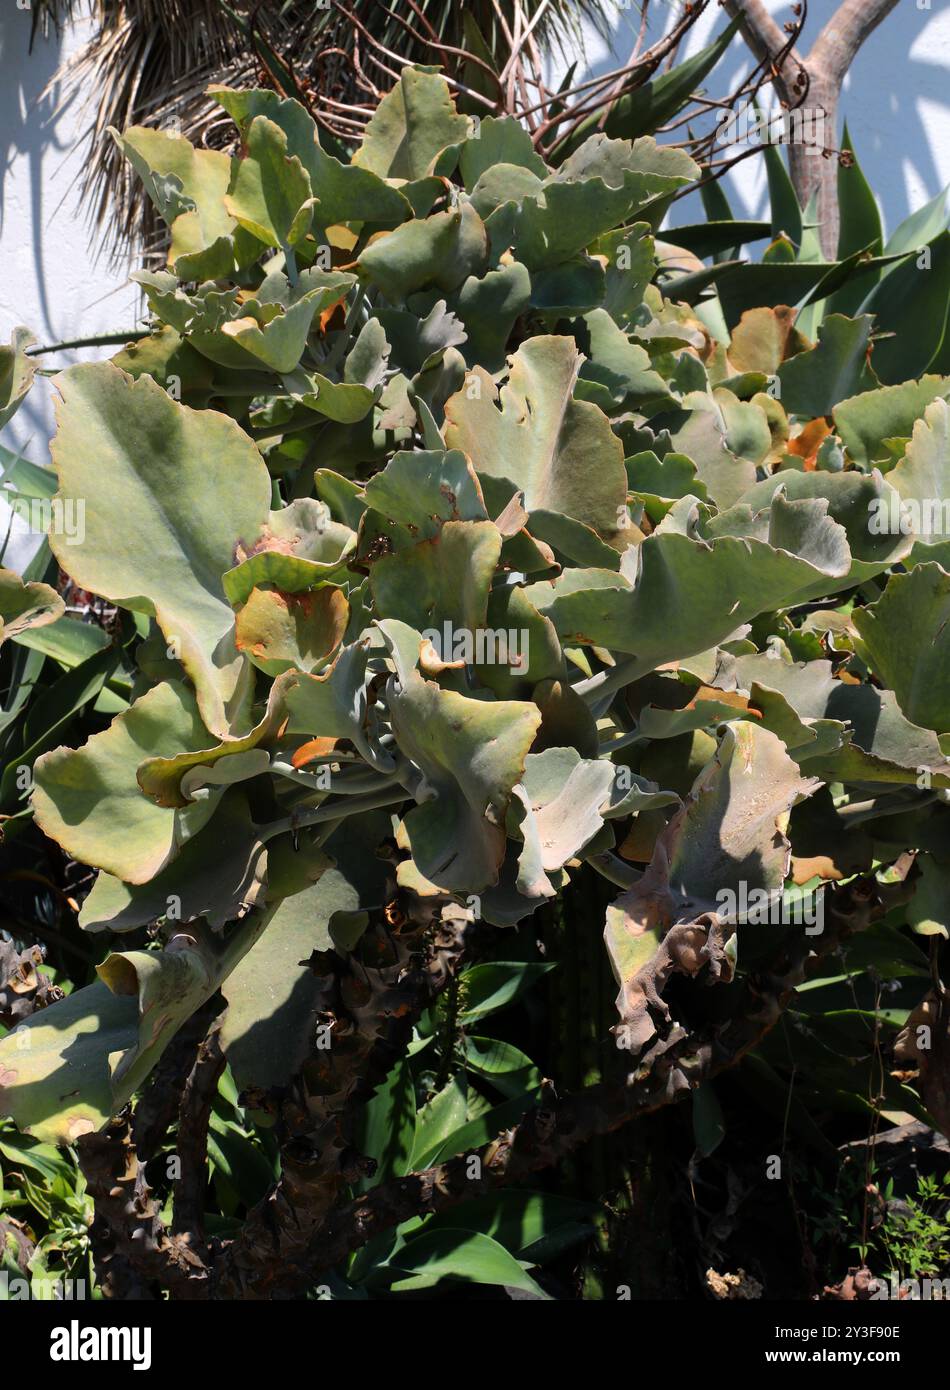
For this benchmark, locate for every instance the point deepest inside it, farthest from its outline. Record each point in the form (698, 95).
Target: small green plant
(916, 1242)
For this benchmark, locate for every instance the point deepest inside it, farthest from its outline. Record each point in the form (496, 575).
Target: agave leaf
(729, 834)
(559, 452)
(775, 283)
(16, 373)
(860, 218)
(911, 303)
(162, 523)
(88, 799)
(25, 605)
(411, 125)
(471, 754)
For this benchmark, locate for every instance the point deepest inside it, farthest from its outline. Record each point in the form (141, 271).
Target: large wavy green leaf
(907, 642)
(471, 753)
(411, 125)
(25, 605)
(344, 192)
(72, 1065)
(558, 451)
(88, 799)
(169, 493)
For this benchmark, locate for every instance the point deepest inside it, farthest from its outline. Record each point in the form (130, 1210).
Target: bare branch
(760, 30)
(837, 45)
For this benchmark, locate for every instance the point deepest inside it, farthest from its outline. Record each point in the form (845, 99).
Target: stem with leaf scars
(194, 1116)
(671, 1070)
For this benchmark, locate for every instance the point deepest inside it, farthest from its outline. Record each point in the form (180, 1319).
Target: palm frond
(151, 61)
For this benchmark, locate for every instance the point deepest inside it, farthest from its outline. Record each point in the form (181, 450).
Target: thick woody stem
(133, 1251)
(194, 1116)
(826, 65)
(674, 1068)
(367, 1015)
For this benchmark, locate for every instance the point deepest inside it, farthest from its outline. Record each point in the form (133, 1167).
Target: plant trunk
(814, 167)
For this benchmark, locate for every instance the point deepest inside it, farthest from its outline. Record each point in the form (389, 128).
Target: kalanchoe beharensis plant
(464, 560)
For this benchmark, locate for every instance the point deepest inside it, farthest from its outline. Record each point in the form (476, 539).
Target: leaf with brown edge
(169, 494)
(730, 832)
(172, 780)
(763, 339)
(295, 547)
(88, 800)
(24, 605)
(280, 631)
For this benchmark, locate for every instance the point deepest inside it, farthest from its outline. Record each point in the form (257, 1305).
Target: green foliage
(453, 555)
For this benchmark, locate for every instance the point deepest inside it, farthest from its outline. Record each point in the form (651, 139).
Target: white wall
(896, 105)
